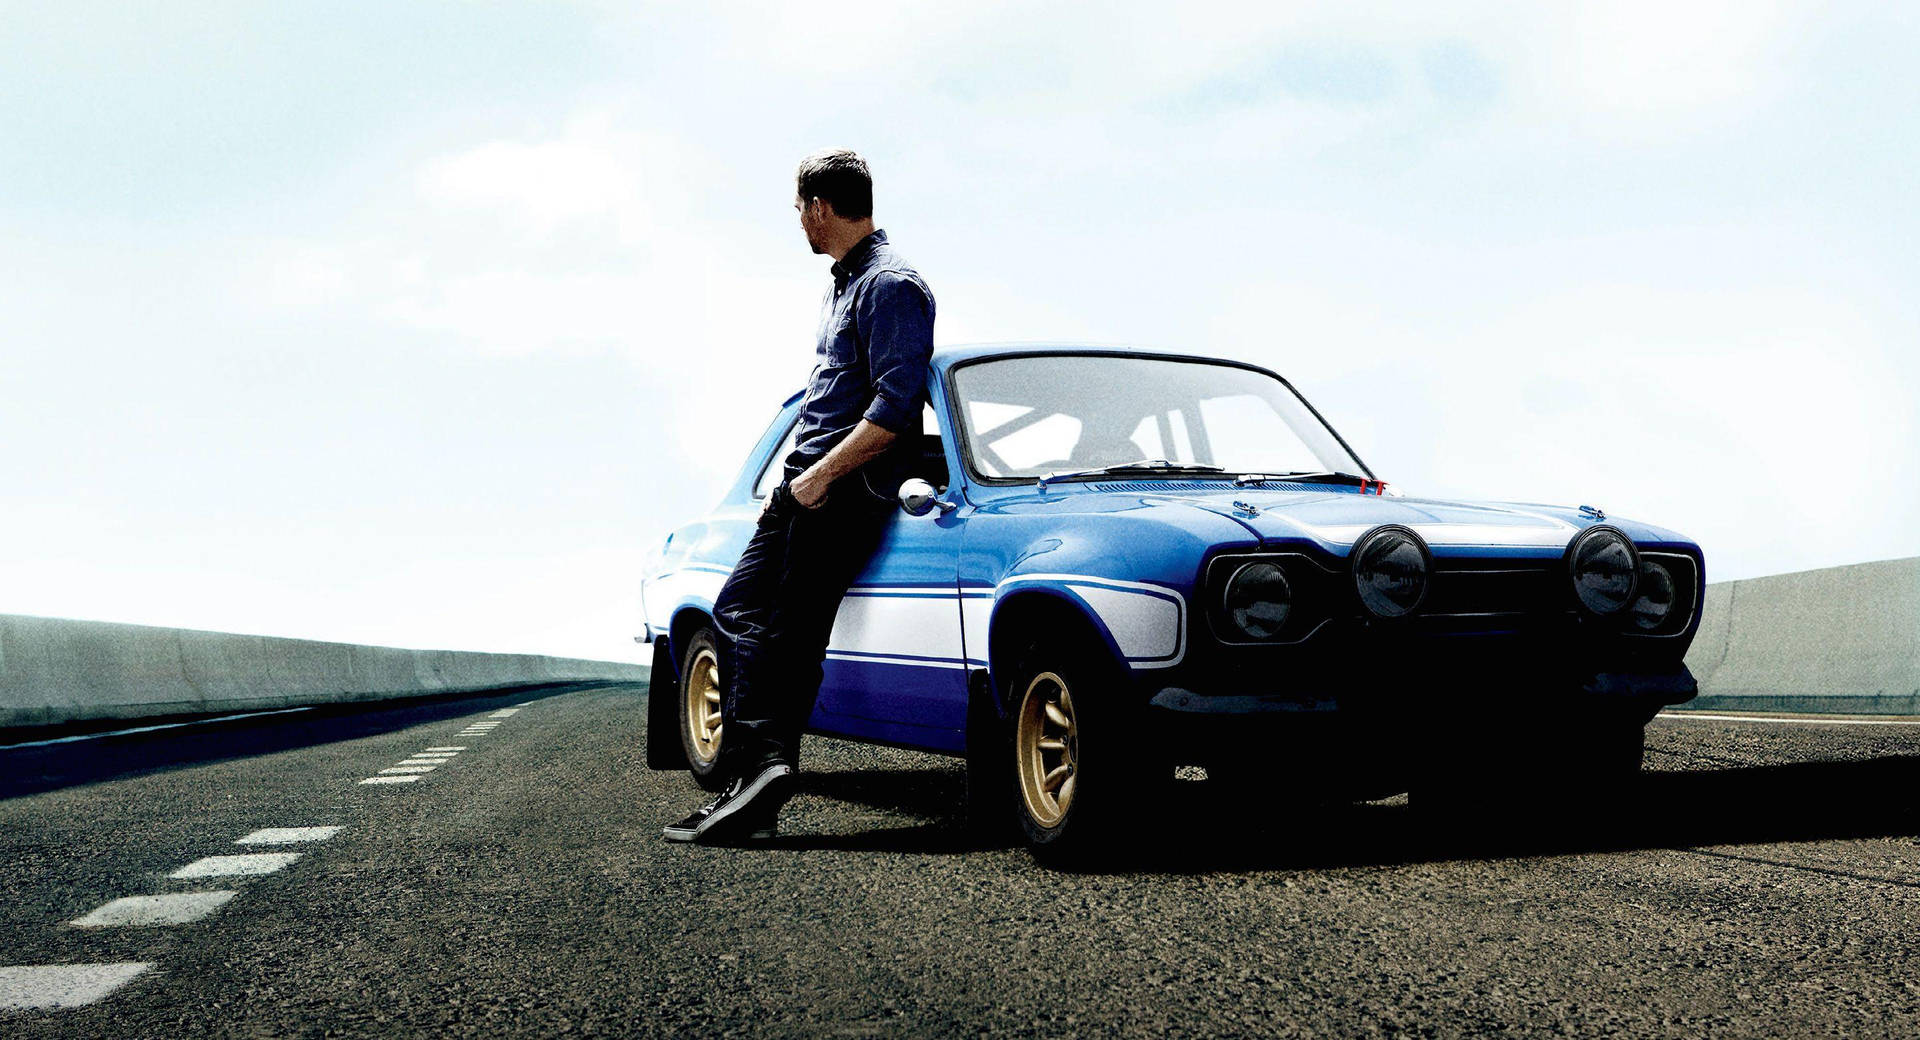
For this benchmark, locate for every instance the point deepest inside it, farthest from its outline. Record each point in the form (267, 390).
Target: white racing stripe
(251, 864)
(1787, 721)
(287, 835)
(143, 911)
(33, 987)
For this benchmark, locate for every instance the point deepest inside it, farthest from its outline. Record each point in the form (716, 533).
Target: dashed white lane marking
(62, 985)
(425, 761)
(389, 779)
(150, 729)
(138, 911)
(248, 864)
(504, 713)
(459, 747)
(1790, 722)
(287, 835)
(407, 769)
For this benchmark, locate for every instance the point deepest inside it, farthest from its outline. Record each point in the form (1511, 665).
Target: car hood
(1340, 518)
(1331, 516)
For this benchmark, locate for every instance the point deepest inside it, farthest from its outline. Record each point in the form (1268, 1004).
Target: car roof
(948, 356)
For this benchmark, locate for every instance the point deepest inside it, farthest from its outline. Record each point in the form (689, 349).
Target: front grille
(1483, 588)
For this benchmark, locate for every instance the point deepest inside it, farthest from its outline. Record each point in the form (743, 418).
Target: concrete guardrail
(1843, 639)
(54, 670)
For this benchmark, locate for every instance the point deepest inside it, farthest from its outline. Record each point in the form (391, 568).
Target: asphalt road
(1764, 884)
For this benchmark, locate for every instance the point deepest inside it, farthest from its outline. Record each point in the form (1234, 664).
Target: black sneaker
(748, 808)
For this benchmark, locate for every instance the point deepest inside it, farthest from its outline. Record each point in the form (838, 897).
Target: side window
(770, 476)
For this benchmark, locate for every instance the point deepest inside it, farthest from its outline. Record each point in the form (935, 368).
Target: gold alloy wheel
(1046, 746)
(703, 705)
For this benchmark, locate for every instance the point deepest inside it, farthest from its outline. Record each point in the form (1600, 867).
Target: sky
(420, 324)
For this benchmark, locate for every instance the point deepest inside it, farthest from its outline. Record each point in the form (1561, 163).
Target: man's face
(811, 221)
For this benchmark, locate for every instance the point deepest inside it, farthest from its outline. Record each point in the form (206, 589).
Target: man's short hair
(840, 177)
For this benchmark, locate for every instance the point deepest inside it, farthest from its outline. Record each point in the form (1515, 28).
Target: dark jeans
(776, 611)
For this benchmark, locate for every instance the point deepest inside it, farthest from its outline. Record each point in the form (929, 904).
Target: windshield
(1031, 416)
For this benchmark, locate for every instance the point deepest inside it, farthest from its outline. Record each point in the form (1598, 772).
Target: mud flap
(664, 749)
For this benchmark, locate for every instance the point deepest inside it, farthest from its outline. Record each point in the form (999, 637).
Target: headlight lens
(1654, 605)
(1604, 566)
(1258, 600)
(1390, 571)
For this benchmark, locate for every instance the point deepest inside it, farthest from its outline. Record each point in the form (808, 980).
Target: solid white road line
(460, 747)
(1791, 722)
(252, 863)
(150, 729)
(136, 911)
(407, 769)
(389, 779)
(287, 835)
(62, 985)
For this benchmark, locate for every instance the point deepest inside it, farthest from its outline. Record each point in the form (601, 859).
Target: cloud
(589, 175)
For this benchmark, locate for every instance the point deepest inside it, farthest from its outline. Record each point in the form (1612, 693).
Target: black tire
(1109, 771)
(703, 648)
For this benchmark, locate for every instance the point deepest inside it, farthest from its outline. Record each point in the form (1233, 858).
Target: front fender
(1129, 576)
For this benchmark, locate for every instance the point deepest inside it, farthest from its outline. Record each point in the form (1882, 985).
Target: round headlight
(1654, 604)
(1390, 567)
(1258, 600)
(1604, 566)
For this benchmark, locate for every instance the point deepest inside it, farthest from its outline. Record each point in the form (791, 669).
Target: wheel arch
(1040, 609)
(686, 621)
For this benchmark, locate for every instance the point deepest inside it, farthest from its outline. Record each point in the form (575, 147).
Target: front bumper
(1448, 693)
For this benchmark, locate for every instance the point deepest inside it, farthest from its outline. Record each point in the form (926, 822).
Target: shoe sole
(689, 833)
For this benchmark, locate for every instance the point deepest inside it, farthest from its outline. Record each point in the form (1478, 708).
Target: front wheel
(1077, 758)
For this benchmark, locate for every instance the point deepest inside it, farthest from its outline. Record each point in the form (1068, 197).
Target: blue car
(1113, 564)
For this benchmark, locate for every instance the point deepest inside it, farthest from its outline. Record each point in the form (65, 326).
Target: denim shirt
(876, 341)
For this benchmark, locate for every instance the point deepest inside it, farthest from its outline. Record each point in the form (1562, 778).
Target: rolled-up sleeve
(896, 313)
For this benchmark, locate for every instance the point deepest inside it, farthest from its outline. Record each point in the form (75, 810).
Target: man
(820, 525)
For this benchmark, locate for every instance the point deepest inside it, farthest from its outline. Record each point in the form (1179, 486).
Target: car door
(895, 669)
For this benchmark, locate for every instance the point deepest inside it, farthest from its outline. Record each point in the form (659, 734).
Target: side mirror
(919, 498)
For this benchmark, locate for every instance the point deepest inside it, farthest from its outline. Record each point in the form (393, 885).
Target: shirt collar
(858, 258)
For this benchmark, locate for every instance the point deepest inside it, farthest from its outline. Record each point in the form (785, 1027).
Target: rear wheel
(700, 695)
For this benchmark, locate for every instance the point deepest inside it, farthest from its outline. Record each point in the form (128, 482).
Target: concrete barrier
(55, 670)
(1843, 640)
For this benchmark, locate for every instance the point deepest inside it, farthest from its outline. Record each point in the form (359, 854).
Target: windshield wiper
(1301, 476)
(1136, 466)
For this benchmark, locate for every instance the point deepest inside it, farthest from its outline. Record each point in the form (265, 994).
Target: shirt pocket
(842, 351)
